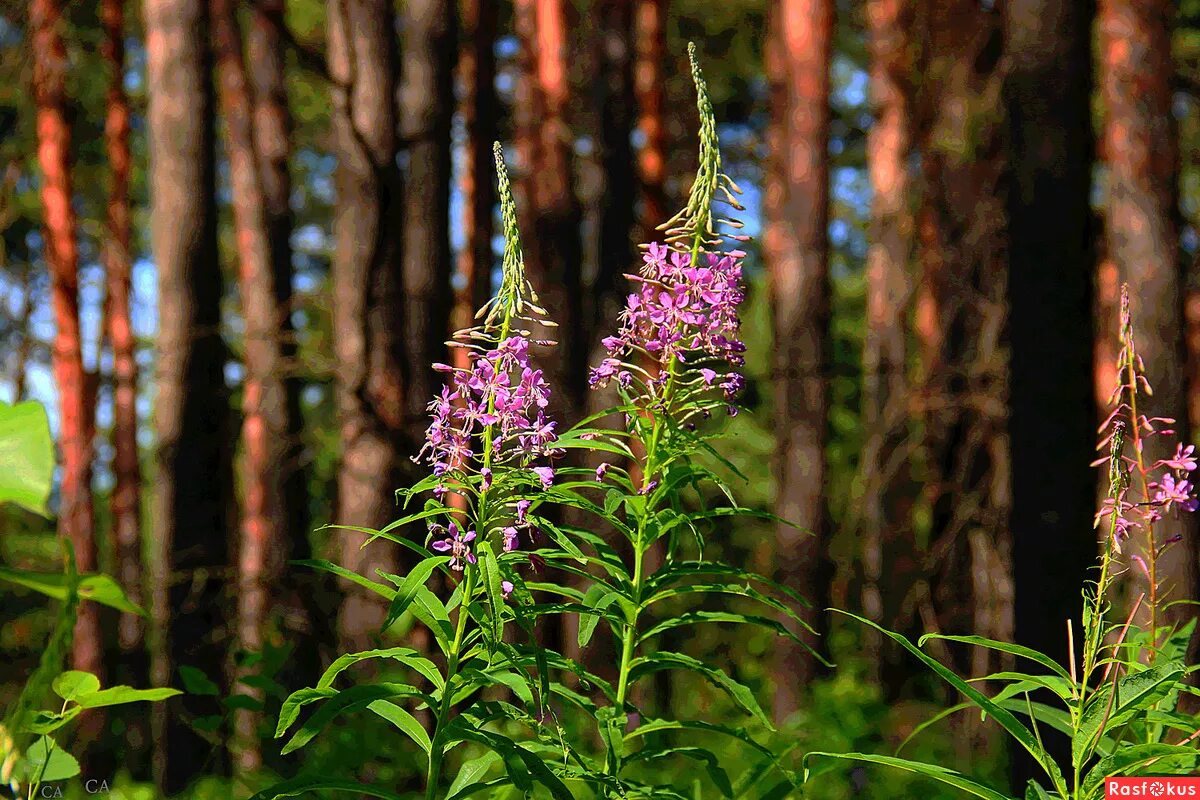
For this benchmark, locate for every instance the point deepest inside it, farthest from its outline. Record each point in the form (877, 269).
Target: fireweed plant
(519, 532)
(1119, 698)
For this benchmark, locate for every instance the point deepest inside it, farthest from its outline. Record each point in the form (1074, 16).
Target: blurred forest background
(234, 235)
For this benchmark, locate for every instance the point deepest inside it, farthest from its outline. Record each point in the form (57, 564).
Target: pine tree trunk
(1047, 92)
(263, 531)
(551, 213)
(886, 543)
(961, 317)
(76, 517)
(650, 34)
(368, 338)
(130, 665)
(193, 479)
(427, 103)
(477, 76)
(796, 247)
(1142, 225)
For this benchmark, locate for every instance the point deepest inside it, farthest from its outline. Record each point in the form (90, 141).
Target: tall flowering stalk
(493, 511)
(1164, 485)
(1118, 697)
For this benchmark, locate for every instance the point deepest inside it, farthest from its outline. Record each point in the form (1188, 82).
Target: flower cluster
(1164, 485)
(682, 312)
(500, 404)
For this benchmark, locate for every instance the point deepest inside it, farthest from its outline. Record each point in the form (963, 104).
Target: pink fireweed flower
(1175, 492)
(506, 588)
(681, 313)
(511, 542)
(601, 470)
(456, 543)
(1183, 460)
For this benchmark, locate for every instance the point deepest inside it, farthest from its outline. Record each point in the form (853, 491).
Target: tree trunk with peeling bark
(76, 520)
(796, 247)
(367, 296)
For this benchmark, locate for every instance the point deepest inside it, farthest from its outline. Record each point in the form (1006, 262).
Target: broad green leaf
(73, 684)
(429, 609)
(403, 720)
(599, 598)
(48, 762)
(1002, 716)
(119, 695)
(46, 722)
(97, 588)
(940, 774)
(522, 765)
(740, 694)
(196, 682)
(405, 655)
(27, 453)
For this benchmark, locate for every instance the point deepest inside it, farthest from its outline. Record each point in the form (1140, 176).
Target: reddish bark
(476, 76)
(650, 34)
(797, 251)
(551, 214)
(1142, 150)
(76, 517)
(126, 494)
(265, 426)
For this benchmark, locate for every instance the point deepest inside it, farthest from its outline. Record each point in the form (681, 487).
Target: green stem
(436, 750)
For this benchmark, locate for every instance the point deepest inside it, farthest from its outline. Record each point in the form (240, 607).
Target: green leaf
(695, 617)
(347, 700)
(599, 598)
(404, 721)
(297, 700)
(120, 695)
(940, 774)
(1004, 647)
(698, 726)
(740, 694)
(342, 572)
(495, 595)
(97, 588)
(407, 588)
(472, 771)
(711, 763)
(49, 762)
(1126, 759)
(1135, 692)
(46, 722)
(522, 765)
(27, 453)
(306, 784)
(1002, 716)
(73, 684)
(196, 682)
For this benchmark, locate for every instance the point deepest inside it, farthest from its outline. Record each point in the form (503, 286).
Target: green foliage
(27, 453)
